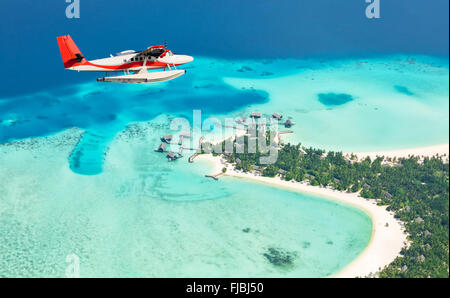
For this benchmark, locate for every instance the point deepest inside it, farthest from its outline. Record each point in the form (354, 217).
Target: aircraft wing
(143, 77)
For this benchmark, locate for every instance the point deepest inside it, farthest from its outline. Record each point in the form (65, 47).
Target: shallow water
(144, 216)
(350, 105)
(125, 211)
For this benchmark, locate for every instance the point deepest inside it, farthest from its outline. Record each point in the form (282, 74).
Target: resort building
(161, 148)
(171, 156)
(288, 123)
(167, 138)
(277, 116)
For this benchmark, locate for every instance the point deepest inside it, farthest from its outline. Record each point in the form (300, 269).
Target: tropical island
(414, 188)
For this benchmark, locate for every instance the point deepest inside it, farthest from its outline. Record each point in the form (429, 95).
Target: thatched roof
(387, 195)
(167, 138)
(277, 116)
(288, 123)
(161, 147)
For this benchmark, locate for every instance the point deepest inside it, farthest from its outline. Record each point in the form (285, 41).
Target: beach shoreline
(388, 234)
(428, 151)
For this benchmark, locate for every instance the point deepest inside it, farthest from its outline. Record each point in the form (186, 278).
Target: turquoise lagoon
(143, 216)
(106, 196)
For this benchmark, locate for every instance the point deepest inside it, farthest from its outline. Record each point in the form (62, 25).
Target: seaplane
(134, 64)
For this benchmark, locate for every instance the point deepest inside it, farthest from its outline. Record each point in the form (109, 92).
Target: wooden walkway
(215, 177)
(191, 158)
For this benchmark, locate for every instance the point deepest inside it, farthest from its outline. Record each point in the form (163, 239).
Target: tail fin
(70, 53)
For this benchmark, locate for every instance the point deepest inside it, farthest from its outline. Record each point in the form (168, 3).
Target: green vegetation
(416, 190)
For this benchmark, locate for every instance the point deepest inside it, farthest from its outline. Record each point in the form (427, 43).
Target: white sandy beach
(386, 242)
(428, 151)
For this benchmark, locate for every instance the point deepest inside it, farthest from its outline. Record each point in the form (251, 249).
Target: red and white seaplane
(134, 64)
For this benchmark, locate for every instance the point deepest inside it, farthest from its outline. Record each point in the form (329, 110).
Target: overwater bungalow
(277, 116)
(288, 123)
(167, 138)
(161, 148)
(171, 156)
(241, 120)
(255, 115)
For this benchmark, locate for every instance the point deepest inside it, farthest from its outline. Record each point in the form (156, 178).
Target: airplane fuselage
(134, 64)
(131, 62)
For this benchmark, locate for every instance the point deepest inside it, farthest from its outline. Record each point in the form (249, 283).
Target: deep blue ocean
(216, 28)
(38, 97)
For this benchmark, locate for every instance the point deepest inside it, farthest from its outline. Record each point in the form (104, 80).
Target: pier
(191, 158)
(215, 177)
(285, 132)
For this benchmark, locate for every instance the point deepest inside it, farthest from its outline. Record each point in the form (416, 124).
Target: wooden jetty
(285, 132)
(191, 158)
(277, 116)
(215, 177)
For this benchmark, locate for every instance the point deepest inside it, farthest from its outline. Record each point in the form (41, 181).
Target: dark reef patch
(279, 257)
(267, 73)
(404, 90)
(334, 99)
(204, 86)
(245, 68)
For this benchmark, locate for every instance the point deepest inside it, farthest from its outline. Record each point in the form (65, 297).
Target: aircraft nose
(184, 59)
